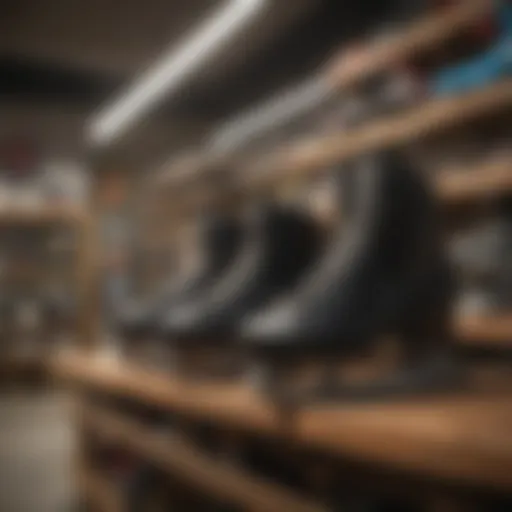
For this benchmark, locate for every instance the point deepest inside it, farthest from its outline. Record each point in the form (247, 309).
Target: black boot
(280, 244)
(383, 275)
(219, 238)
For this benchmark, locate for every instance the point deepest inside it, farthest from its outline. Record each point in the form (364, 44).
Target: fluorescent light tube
(171, 70)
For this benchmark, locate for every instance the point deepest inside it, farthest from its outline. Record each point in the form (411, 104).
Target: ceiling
(61, 59)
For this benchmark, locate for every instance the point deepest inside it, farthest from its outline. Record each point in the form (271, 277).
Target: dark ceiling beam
(114, 38)
(26, 78)
(119, 38)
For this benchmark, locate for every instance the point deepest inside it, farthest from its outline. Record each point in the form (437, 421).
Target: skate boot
(371, 319)
(219, 237)
(279, 245)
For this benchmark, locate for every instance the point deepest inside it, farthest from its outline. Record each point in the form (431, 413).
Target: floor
(35, 452)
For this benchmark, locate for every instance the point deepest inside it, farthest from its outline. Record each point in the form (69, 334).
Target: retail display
(308, 352)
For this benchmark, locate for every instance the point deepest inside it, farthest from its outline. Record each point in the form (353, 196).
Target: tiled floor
(35, 452)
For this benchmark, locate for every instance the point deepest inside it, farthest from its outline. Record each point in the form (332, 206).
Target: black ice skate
(279, 244)
(383, 276)
(219, 238)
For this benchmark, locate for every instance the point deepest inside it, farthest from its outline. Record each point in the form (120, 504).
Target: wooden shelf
(173, 454)
(486, 332)
(427, 34)
(455, 185)
(41, 215)
(477, 181)
(96, 491)
(316, 154)
(298, 160)
(462, 436)
(188, 168)
(350, 68)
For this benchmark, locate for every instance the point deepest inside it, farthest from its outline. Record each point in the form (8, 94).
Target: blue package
(478, 72)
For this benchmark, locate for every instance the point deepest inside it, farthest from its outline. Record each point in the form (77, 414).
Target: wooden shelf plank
(486, 332)
(316, 154)
(428, 33)
(41, 215)
(97, 492)
(189, 167)
(477, 182)
(462, 436)
(455, 185)
(485, 179)
(180, 459)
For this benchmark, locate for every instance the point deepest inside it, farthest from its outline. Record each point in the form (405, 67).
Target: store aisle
(35, 452)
